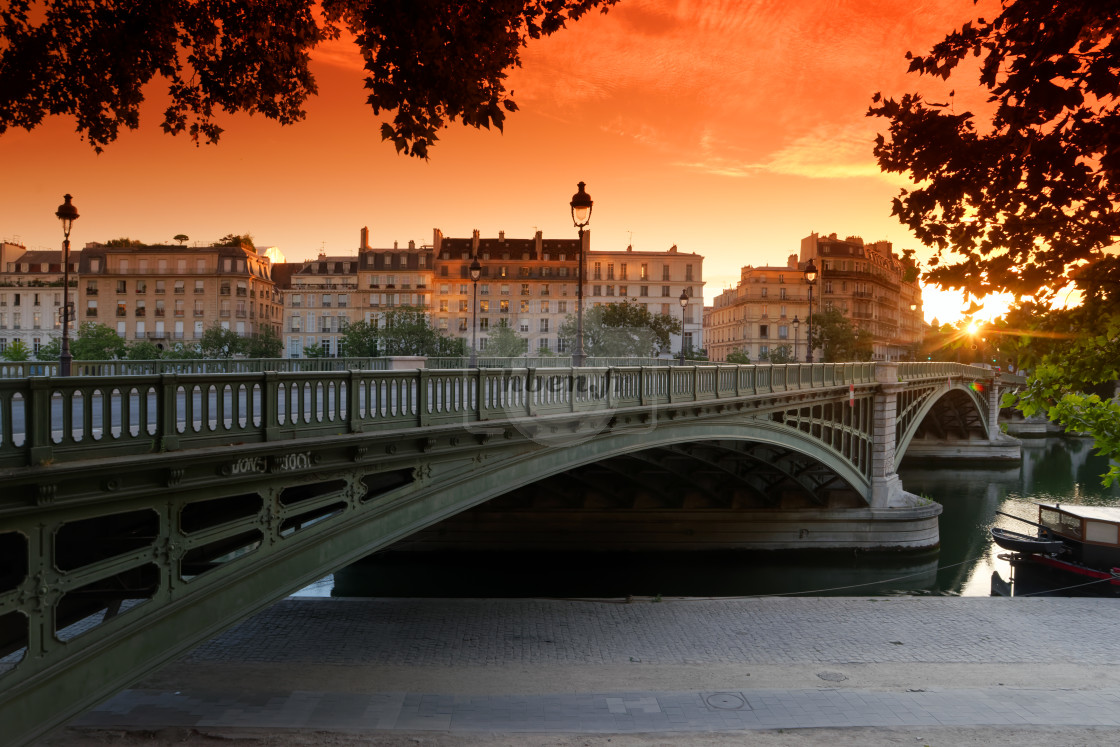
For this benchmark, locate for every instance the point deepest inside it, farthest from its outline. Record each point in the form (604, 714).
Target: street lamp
(581, 216)
(66, 213)
(796, 326)
(476, 272)
(684, 305)
(810, 280)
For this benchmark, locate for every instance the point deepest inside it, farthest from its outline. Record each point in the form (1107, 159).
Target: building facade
(31, 295)
(655, 279)
(528, 284)
(766, 311)
(172, 294)
(873, 287)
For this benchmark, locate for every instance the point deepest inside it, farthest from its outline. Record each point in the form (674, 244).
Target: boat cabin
(1092, 533)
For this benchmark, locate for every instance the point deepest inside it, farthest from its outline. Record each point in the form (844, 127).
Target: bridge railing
(54, 419)
(910, 370)
(24, 369)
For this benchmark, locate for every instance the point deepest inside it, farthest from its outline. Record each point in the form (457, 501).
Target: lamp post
(476, 273)
(581, 216)
(66, 213)
(796, 326)
(810, 280)
(684, 305)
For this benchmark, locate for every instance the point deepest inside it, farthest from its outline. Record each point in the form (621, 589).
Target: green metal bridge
(143, 514)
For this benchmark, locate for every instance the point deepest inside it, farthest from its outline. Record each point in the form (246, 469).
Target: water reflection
(1064, 470)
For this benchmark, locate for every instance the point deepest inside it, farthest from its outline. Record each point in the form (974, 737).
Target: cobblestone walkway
(766, 631)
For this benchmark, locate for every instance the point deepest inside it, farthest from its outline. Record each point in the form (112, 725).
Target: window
(610, 290)
(596, 290)
(443, 305)
(484, 289)
(765, 292)
(122, 266)
(463, 304)
(783, 332)
(524, 307)
(122, 287)
(328, 300)
(504, 308)
(610, 271)
(161, 286)
(523, 325)
(91, 288)
(198, 308)
(503, 271)
(544, 325)
(764, 331)
(622, 271)
(463, 324)
(643, 290)
(343, 300)
(644, 272)
(181, 266)
(664, 272)
(178, 307)
(484, 324)
(665, 291)
(180, 286)
(159, 307)
(200, 286)
(484, 306)
(524, 289)
(622, 290)
(200, 266)
(688, 273)
(562, 307)
(141, 308)
(91, 307)
(523, 272)
(544, 307)
(122, 308)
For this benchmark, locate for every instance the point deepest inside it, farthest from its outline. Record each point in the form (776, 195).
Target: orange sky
(732, 128)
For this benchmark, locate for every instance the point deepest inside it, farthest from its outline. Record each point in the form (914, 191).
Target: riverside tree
(626, 329)
(504, 342)
(427, 62)
(1022, 195)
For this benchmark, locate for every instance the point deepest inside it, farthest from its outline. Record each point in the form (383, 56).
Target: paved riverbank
(964, 670)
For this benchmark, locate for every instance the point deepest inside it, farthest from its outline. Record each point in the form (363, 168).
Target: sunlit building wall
(172, 294)
(873, 287)
(654, 279)
(31, 295)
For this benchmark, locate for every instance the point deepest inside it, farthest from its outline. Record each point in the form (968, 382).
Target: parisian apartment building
(527, 283)
(31, 295)
(769, 307)
(171, 294)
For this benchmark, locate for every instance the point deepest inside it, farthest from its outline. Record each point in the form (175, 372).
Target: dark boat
(1080, 539)
(1025, 543)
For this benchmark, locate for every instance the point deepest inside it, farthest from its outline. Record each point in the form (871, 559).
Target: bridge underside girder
(954, 415)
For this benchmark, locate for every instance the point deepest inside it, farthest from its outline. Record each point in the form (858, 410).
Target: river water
(1064, 470)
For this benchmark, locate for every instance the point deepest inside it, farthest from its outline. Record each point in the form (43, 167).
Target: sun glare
(973, 327)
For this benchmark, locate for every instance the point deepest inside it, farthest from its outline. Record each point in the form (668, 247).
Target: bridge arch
(793, 453)
(950, 408)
